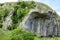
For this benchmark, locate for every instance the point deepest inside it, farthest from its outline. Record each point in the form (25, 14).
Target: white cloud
(2, 1)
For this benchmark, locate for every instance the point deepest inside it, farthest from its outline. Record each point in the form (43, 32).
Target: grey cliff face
(8, 20)
(44, 24)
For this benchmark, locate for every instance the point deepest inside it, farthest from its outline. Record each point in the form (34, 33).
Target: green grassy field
(18, 34)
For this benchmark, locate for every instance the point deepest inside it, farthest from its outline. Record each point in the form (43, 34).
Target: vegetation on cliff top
(22, 9)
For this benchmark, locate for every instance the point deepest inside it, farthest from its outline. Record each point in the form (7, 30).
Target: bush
(4, 12)
(13, 26)
(22, 9)
(1, 23)
(20, 34)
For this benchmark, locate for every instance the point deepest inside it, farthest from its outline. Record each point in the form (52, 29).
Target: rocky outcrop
(8, 19)
(43, 23)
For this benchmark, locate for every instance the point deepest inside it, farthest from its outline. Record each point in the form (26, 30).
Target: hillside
(21, 9)
(12, 15)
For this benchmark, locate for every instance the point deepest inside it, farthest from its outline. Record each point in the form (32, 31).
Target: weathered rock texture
(8, 20)
(43, 23)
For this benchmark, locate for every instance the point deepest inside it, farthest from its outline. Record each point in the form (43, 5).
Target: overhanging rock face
(44, 24)
(43, 21)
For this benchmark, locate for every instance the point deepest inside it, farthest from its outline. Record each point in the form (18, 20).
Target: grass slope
(21, 34)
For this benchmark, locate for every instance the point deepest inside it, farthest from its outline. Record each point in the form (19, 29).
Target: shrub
(20, 34)
(22, 9)
(13, 26)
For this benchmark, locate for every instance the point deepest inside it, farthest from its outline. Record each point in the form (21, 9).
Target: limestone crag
(43, 23)
(8, 20)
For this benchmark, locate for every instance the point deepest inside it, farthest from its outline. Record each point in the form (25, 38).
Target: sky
(54, 4)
